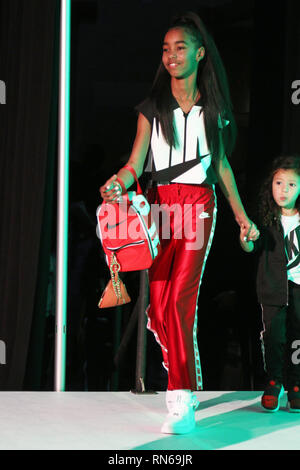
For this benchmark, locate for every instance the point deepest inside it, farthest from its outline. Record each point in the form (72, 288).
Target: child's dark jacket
(271, 282)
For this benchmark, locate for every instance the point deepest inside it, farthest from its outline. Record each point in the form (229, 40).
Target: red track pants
(175, 277)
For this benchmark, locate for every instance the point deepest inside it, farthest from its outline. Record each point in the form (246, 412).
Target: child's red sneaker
(271, 397)
(294, 399)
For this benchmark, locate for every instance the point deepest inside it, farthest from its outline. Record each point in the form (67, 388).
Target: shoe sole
(167, 429)
(292, 410)
(278, 406)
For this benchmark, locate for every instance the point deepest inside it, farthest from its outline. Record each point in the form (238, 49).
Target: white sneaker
(181, 417)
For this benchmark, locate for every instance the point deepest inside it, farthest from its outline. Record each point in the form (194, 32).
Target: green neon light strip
(63, 196)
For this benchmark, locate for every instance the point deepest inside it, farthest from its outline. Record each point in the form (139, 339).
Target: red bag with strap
(128, 235)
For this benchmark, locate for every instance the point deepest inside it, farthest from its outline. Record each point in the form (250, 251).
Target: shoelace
(194, 403)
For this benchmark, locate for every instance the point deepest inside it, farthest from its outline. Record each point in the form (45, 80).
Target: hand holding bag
(129, 239)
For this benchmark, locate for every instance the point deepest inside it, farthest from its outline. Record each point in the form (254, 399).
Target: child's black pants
(281, 338)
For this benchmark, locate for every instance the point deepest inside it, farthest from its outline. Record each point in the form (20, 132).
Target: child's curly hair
(269, 212)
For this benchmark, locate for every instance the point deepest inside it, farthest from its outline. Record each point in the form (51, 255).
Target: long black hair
(269, 212)
(212, 84)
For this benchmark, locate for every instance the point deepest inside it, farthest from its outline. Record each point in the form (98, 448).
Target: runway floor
(125, 421)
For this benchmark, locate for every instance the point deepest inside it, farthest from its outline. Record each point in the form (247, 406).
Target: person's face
(286, 188)
(181, 55)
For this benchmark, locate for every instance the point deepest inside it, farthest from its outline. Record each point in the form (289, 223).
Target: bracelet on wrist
(121, 185)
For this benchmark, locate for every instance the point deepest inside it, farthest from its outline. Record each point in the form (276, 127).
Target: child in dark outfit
(278, 280)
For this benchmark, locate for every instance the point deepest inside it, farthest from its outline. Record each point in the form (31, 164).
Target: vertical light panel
(62, 196)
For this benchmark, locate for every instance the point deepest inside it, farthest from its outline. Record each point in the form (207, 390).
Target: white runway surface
(124, 421)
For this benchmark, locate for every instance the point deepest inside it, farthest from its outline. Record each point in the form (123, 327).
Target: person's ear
(200, 53)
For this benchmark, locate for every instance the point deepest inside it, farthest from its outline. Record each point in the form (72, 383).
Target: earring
(202, 53)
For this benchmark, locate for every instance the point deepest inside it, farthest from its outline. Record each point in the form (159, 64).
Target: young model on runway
(278, 280)
(187, 128)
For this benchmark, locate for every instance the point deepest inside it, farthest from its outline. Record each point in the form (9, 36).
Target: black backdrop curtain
(275, 118)
(28, 57)
(290, 135)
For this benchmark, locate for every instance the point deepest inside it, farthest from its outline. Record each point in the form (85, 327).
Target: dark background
(116, 49)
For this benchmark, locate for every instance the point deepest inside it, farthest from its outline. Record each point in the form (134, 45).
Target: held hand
(243, 233)
(249, 231)
(111, 191)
